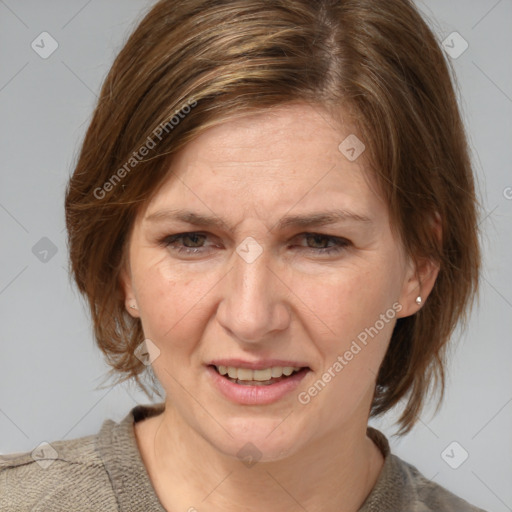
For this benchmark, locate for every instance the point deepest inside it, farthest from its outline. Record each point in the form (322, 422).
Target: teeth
(258, 375)
(276, 371)
(243, 373)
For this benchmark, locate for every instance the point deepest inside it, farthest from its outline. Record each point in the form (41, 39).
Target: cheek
(171, 303)
(348, 301)
(356, 316)
(345, 382)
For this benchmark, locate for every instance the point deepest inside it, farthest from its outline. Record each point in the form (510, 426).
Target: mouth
(263, 377)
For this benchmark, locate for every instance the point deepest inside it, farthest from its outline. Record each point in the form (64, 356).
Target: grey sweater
(105, 472)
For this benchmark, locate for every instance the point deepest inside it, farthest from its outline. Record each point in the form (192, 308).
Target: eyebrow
(313, 219)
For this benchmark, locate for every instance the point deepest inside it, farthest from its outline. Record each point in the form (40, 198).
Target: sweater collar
(117, 445)
(118, 448)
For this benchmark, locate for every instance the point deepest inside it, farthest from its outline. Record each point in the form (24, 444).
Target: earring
(133, 306)
(419, 300)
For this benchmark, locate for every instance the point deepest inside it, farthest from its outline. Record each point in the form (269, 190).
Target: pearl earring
(133, 306)
(419, 300)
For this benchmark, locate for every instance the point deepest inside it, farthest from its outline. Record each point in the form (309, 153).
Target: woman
(274, 211)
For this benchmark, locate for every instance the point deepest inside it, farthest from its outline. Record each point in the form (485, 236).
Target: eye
(194, 243)
(318, 239)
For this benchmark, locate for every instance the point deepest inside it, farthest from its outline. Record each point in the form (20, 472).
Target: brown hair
(191, 65)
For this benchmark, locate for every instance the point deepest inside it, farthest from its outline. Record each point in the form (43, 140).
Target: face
(268, 251)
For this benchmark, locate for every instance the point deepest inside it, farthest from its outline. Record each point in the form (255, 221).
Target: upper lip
(260, 364)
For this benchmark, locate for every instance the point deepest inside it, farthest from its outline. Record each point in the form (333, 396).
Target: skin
(293, 302)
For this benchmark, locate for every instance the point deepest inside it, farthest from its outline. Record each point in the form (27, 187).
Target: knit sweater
(105, 472)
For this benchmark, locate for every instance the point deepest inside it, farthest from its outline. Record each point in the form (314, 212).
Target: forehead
(278, 141)
(288, 158)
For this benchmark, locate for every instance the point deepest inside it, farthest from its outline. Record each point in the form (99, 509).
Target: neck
(336, 473)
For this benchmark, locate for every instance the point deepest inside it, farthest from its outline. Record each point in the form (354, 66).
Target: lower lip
(256, 395)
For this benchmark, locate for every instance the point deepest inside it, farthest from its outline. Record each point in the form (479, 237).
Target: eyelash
(167, 241)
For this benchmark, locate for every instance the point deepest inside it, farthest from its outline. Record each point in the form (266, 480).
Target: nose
(254, 306)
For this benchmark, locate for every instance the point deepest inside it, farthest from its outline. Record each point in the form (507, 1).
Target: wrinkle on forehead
(263, 164)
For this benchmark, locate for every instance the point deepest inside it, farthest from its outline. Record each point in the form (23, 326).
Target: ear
(419, 281)
(420, 277)
(130, 301)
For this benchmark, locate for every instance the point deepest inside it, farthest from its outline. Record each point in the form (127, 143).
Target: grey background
(50, 369)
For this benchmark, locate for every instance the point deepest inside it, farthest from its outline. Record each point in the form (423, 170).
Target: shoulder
(427, 496)
(60, 475)
(400, 487)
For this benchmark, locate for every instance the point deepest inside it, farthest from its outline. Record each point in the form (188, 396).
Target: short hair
(191, 65)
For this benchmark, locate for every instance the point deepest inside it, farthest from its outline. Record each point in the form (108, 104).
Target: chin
(259, 439)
